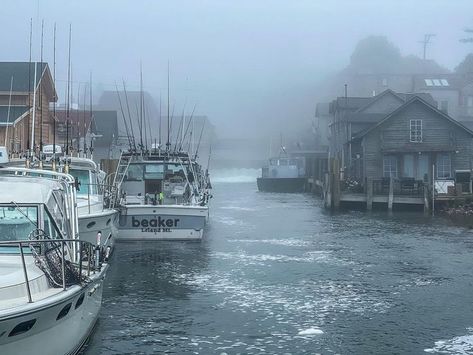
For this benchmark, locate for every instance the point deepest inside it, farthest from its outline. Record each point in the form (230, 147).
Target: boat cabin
(146, 181)
(284, 167)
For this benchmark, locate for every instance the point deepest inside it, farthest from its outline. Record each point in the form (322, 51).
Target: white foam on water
(311, 331)
(237, 208)
(461, 345)
(235, 175)
(284, 242)
(319, 256)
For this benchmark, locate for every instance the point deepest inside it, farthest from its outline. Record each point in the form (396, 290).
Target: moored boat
(51, 284)
(283, 174)
(164, 197)
(96, 217)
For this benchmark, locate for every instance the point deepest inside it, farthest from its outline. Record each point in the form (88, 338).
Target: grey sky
(245, 63)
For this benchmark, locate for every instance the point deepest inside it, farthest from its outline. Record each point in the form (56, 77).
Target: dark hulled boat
(283, 174)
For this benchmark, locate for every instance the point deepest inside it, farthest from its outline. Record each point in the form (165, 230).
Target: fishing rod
(8, 114)
(77, 119)
(84, 124)
(169, 123)
(160, 119)
(29, 84)
(68, 92)
(141, 106)
(179, 131)
(124, 118)
(200, 139)
(187, 128)
(55, 99)
(91, 113)
(41, 98)
(129, 115)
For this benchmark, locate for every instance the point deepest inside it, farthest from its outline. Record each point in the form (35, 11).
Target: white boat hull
(49, 335)
(162, 222)
(105, 222)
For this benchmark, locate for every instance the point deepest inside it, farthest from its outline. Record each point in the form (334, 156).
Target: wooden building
(17, 89)
(400, 156)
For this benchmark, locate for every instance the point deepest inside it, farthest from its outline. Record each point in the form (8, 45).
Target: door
(423, 167)
(408, 166)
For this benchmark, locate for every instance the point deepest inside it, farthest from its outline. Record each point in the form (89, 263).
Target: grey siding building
(411, 140)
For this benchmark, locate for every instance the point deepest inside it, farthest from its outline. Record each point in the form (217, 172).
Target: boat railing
(108, 193)
(48, 253)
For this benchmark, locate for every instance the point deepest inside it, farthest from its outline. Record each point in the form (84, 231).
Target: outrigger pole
(168, 143)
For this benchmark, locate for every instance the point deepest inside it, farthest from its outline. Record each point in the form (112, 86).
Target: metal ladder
(122, 169)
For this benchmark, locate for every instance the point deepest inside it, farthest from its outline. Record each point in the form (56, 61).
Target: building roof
(106, 125)
(23, 77)
(439, 82)
(352, 103)
(15, 113)
(403, 107)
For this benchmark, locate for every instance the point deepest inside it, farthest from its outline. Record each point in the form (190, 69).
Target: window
(437, 82)
(389, 166)
(154, 171)
(444, 166)
(16, 223)
(416, 131)
(444, 82)
(135, 172)
(428, 82)
(83, 180)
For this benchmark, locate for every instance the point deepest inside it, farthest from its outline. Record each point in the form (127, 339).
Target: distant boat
(52, 281)
(283, 174)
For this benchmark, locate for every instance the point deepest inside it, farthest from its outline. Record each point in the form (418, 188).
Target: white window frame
(415, 131)
(444, 166)
(390, 166)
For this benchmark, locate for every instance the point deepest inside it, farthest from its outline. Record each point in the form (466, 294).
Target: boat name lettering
(154, 222)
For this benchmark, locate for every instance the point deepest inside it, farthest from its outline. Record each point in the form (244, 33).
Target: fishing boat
(164, 196)
(283, 174)
(163, 191)
(51, 281)
(96, 217)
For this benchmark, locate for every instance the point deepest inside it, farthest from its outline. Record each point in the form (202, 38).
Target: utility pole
(427, 40)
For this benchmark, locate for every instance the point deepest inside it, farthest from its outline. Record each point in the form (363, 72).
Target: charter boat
(96, 217)
(164, 196)
(283, 174)
(51, 281)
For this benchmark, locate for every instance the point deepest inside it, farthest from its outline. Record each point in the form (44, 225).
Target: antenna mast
(68, 91)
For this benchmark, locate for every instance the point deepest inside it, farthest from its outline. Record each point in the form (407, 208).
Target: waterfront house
(16, 114)
(395, 148)
(413, 142)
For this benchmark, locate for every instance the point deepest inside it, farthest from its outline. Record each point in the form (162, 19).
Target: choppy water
(278, 275)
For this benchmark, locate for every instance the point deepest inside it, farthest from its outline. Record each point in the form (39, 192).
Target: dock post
(336, 184)
(426, 200)
(391, 194)
(369, 194)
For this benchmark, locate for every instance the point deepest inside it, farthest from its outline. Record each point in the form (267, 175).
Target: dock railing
(52, 257)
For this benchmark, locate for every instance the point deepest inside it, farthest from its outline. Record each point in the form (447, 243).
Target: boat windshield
(16, 223)
(154, 171)
(175, 171)
(83, 177)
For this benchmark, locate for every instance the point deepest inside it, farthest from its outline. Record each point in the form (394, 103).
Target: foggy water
(277, 274)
